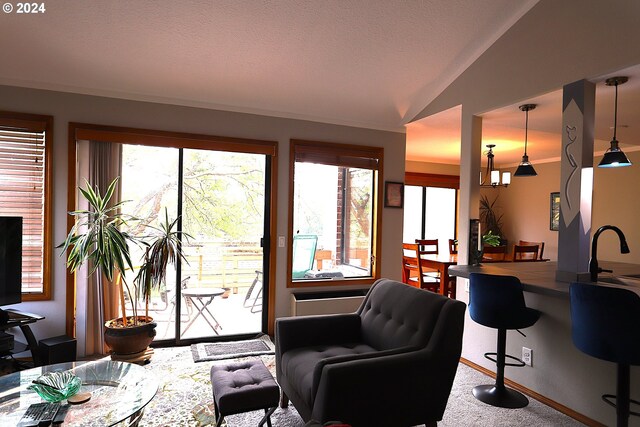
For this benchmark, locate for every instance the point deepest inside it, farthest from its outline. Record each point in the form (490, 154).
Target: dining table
(442, 262)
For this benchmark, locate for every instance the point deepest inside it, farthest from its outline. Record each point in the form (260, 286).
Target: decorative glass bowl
(56, 386)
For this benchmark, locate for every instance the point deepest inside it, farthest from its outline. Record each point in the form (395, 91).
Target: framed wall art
(554, 214)
(393, 194)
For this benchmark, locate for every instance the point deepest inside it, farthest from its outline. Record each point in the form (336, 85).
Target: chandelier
(492, 176)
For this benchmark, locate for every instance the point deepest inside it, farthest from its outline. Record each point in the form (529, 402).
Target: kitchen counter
(539, 277)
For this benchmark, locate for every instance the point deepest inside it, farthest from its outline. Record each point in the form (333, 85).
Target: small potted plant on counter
(488, 239)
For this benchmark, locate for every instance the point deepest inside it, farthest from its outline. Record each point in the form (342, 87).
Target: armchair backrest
(394, 315)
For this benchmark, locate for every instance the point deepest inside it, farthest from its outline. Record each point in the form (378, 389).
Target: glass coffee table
(119, 393)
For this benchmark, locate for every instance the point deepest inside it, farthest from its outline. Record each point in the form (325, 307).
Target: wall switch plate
(527, 356)
(466, 286)
(281, 241)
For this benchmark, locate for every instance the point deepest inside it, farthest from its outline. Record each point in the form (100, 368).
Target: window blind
(325, 153)
(22, 185)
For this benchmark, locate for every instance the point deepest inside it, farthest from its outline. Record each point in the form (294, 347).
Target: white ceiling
(437, 138)
(369, 63)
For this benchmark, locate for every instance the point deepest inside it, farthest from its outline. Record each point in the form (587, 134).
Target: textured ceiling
(369, 63)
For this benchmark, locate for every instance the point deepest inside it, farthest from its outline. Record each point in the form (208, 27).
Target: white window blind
(22, 185)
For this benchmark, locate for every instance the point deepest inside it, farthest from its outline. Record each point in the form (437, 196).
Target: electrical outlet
(527, 356)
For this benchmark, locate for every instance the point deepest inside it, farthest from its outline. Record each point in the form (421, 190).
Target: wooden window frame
(39, 123)
(94, 132)
(420, 179)
(337, 154)
(432, 180)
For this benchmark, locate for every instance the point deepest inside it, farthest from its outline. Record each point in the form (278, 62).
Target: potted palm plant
(97, 237)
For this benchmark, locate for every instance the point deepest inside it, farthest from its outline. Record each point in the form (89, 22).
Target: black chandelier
(492, 176)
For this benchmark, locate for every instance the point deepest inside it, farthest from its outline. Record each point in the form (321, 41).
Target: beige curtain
(104, 163)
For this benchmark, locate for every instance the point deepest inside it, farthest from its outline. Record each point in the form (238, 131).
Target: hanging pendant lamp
(525, 168)
(614, 157)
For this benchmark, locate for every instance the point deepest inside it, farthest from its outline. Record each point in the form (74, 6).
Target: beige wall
(66, 107)
(616, 201)
(525, 204)
(435, 168)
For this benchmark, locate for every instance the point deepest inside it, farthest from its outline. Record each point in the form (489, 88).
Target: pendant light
(614, 157)
(525, 168)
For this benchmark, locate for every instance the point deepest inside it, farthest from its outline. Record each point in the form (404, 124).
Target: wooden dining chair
(494, 253)
(412, 273)
(540, 246)
(453, 246)
(410, 268)
(429, 247)
(525, 253)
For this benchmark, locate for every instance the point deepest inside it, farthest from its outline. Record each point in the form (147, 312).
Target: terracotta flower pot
(130, 339)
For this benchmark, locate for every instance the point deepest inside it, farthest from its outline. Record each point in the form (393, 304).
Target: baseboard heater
(330, 302)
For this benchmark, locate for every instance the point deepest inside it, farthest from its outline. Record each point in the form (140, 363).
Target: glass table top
(119, 392)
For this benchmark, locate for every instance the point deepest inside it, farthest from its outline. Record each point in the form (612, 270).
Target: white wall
(65, 108)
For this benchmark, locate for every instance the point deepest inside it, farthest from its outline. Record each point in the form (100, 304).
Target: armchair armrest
(293, 332)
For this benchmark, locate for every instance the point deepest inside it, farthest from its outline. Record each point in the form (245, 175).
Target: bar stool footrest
(520, 363)
(610, 399)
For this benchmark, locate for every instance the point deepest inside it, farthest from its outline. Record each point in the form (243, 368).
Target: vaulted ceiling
(373, 63)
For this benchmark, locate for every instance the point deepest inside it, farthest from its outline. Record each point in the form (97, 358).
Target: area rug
(232, 349)
(184, 399)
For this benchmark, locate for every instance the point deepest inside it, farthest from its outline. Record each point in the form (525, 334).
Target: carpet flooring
(184, 399)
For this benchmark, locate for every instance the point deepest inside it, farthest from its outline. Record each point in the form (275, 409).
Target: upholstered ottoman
(243, 387)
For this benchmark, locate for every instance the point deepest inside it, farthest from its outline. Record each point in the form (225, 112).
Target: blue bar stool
(498, 302)
(605, 324)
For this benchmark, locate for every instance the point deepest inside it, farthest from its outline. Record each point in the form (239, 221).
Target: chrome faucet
(593, 262)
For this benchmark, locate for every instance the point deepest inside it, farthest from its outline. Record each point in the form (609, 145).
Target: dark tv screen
(10, 260)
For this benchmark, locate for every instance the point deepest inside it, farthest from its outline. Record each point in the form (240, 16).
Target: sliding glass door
(223, 212)
(219, 198)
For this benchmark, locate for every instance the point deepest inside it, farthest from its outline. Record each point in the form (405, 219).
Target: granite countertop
(538, 277)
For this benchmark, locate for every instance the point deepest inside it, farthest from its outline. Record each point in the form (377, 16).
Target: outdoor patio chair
(254, 302)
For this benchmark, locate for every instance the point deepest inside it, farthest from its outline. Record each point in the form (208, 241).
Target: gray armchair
(392, 363)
